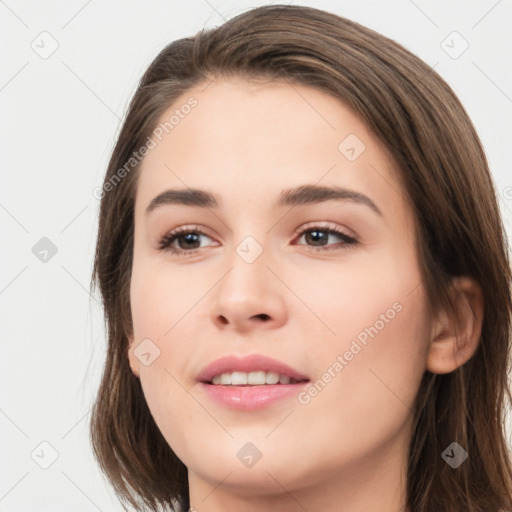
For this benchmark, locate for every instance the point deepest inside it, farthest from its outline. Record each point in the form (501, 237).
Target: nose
(249, 297)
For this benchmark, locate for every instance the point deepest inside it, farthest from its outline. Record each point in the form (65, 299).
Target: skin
(346, 449)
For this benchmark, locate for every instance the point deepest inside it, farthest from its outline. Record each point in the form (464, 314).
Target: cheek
(162, 310)
(160, 299)
(369, 374)
(368, 369)
(338, 301)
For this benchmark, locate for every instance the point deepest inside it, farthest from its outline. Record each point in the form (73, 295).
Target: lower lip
(251, 397)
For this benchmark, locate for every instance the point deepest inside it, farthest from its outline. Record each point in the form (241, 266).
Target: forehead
(259, 137)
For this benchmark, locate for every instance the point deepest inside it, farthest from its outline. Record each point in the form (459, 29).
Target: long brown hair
(445, 176)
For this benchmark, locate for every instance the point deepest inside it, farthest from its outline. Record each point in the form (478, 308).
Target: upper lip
(249, 363)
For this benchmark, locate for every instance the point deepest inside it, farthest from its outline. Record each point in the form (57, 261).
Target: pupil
(316, 237)
(189, 237)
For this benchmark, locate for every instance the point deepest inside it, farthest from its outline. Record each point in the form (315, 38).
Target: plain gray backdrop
(68, 71)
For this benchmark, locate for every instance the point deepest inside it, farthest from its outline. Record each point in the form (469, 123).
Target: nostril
(263, 316)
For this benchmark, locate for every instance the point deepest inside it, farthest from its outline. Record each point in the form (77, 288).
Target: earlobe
(134, 362)
(451, 345)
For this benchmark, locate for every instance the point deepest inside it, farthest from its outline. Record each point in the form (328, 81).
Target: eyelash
(165, 242)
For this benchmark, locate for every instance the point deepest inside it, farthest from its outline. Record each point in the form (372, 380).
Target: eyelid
(187, 228)
(326, 225)
(181, 230)
(165, 242)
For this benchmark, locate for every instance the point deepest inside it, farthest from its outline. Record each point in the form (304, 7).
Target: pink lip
(249, 397)
(250, 363)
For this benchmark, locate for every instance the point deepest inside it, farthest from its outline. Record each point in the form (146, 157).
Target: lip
(249, 397)
(249, 363)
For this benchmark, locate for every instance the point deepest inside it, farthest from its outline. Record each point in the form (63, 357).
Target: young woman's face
(261, 273)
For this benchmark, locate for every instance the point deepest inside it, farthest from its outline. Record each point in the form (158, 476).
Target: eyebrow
(304, 194)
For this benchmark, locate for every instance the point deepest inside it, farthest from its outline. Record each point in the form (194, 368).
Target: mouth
(251, 383)
(251, 370)
(255, 378)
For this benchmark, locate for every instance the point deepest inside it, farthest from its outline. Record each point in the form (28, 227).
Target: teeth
(238, 378)
(272, 378)
(225, 378)
(257, 378)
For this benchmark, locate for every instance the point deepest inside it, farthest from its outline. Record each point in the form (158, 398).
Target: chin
(248, 467)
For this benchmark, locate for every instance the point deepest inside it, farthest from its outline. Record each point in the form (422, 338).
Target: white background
(60, 117)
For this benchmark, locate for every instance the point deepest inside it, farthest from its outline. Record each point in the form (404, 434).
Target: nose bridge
(251, 243)
(247, 276)
(249, 291)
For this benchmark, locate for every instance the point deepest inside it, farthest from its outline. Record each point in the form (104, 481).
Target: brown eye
(188, 241)
(318, 237)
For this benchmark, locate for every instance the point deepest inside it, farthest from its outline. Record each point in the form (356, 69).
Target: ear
(134, 361)
(451, 347)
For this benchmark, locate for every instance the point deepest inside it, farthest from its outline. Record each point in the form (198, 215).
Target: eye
(187, 238)
(319, 236)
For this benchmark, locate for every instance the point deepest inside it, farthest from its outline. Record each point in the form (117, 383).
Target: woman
(305, 279)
